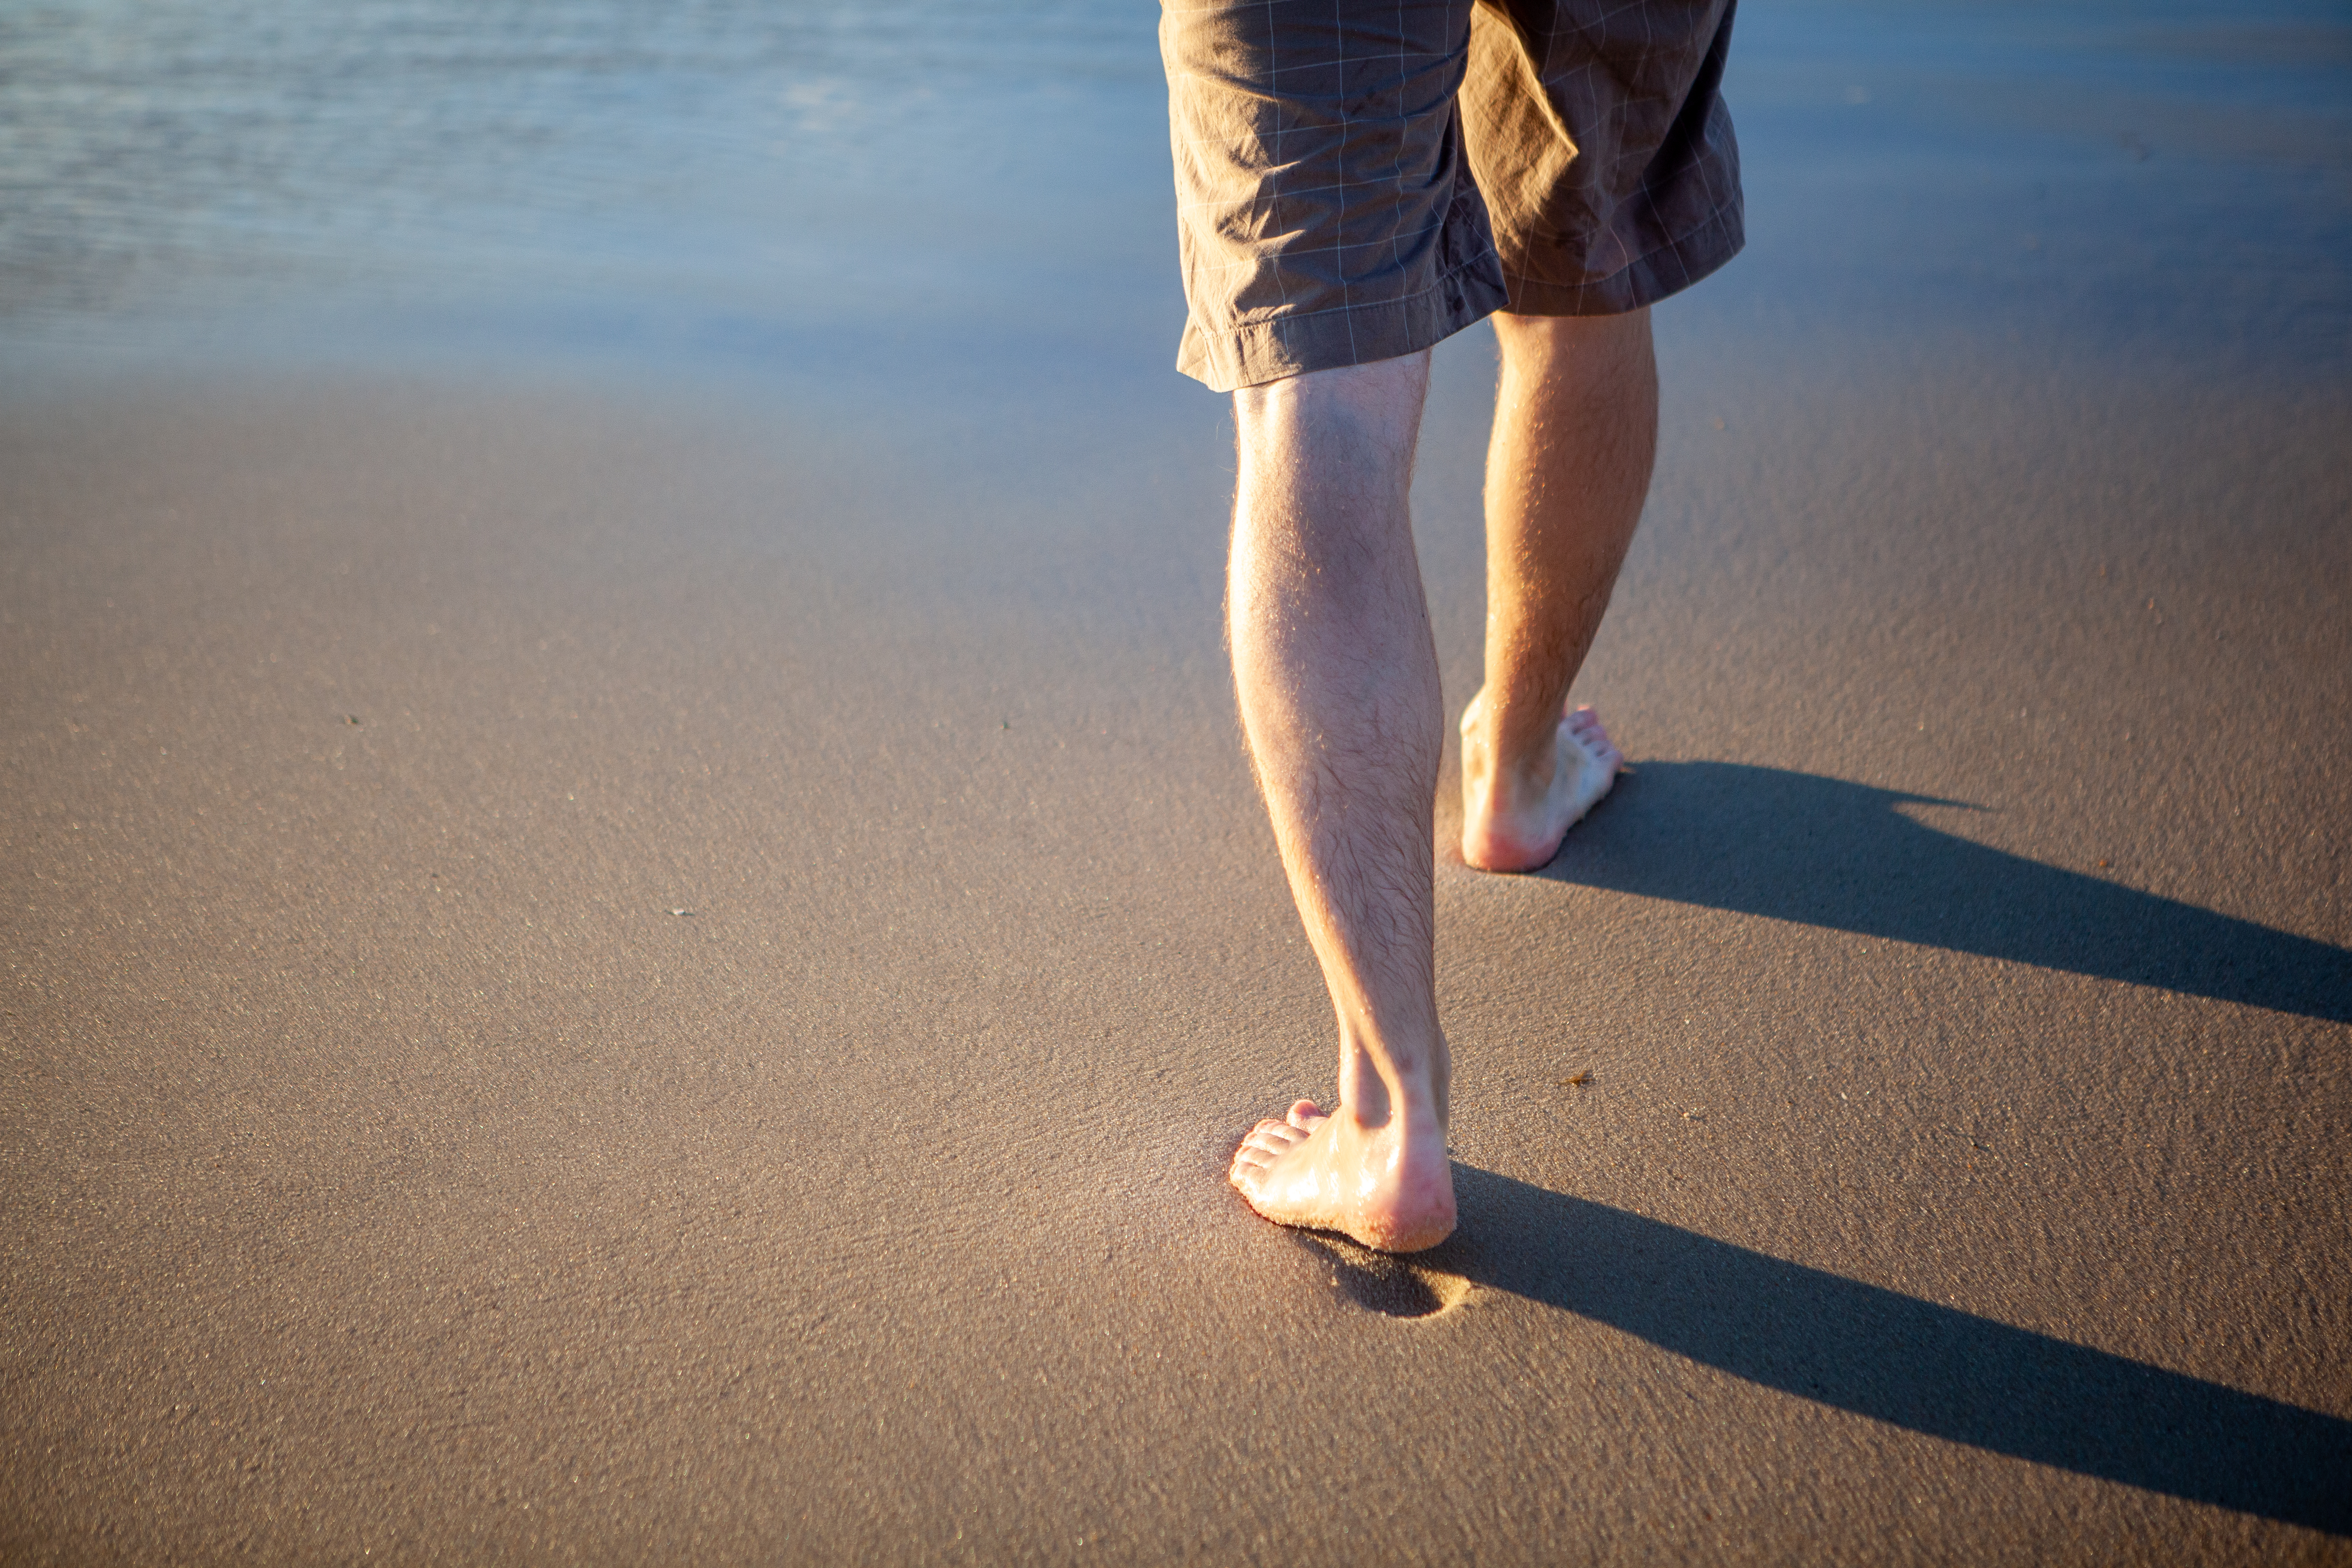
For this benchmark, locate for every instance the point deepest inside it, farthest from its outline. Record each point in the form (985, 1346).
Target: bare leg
(1338, 680)
(1576, 430)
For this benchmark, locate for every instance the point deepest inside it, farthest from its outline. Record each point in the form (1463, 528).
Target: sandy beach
(632, 953)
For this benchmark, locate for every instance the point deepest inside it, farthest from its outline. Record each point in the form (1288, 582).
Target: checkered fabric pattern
(1358, 179)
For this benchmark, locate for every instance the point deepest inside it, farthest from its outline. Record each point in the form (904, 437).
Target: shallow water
(792, 182)
(575, 168)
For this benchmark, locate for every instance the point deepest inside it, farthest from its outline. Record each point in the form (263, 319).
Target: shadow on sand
(1819, 851)
(1796, 847)
(1915, 1364)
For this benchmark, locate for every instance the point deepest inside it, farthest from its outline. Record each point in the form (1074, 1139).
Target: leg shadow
(1911, 1363)
(1821, 851)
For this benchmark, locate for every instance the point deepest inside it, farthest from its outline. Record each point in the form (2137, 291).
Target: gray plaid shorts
(1357, 179)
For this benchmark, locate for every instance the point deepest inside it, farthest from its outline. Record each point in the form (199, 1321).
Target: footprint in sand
(1382, 1282)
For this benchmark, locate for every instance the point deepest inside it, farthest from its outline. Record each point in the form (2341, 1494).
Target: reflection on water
(150, 148)
(2120, 168)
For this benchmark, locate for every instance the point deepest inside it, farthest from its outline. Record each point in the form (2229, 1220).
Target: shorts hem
(1257, 353)
(1667, 270)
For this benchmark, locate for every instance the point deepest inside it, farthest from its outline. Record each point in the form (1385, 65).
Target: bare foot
(1389, 1187)
(1513, 820)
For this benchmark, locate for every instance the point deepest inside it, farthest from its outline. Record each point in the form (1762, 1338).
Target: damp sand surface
(636, 929)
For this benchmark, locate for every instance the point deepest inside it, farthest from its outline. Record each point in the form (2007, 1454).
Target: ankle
(1497, 776)
(1410, 1111)
(1410, 1095)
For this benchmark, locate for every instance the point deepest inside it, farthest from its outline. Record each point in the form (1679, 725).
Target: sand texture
(584, 983)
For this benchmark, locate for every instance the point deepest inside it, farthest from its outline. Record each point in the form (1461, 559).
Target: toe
(1272, 1137)
(1306, 1116)
(1584, 728)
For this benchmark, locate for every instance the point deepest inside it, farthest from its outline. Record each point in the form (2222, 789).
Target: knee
(1572, 338)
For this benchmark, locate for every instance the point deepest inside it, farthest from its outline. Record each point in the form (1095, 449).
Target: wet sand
(641, 964)
(394, 1167)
